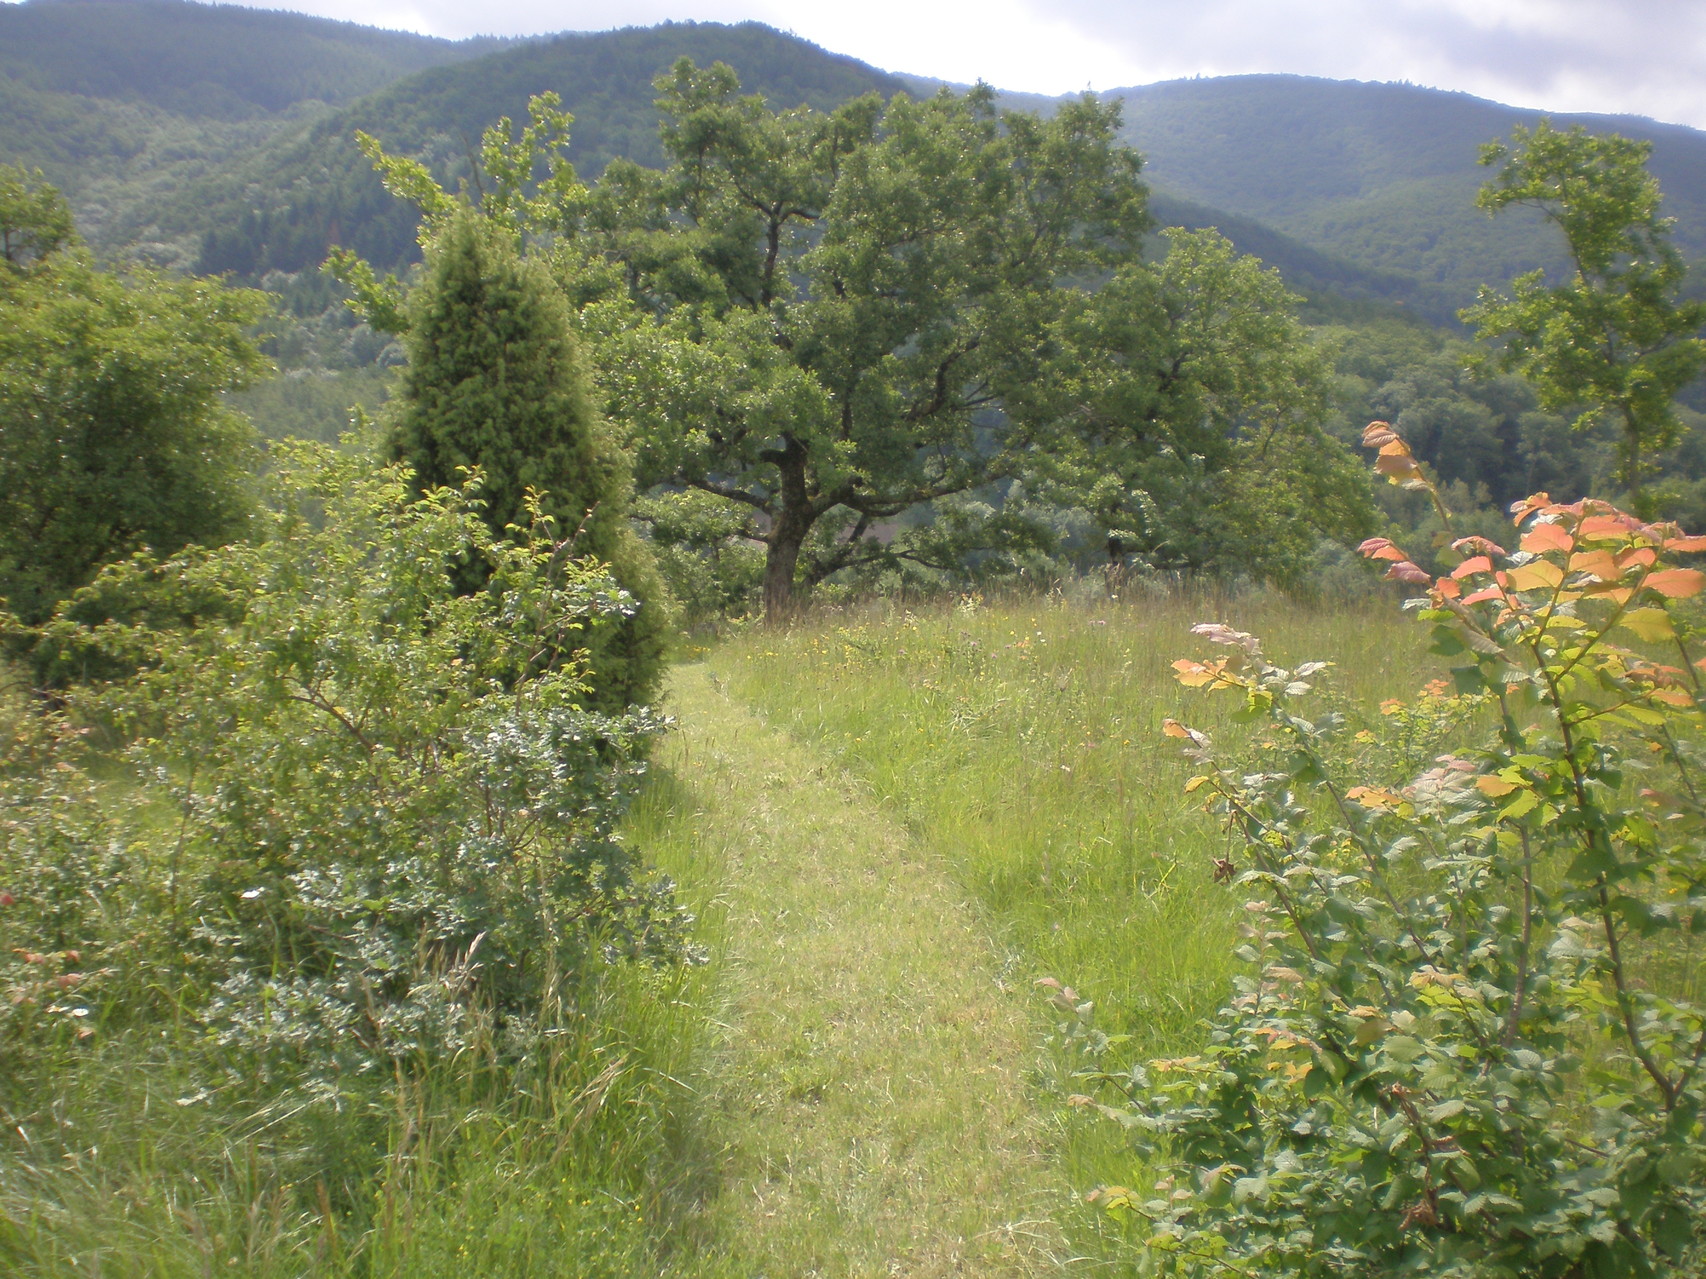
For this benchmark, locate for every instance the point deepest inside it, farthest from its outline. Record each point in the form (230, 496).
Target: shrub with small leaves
(368, 814)
(1472, 1040)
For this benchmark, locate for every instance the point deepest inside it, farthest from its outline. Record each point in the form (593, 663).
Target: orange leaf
(1474, 564)
(1535, 575)
(1685, 543)
(1173, 728)
(1642, 555)
(1485, 593)
(1196, 674)
(1601, 528)
(1672, 697)
(1379, 548)
(1600, 564)
(1677, 583)
(1377, 797)
(1494, 787)
(1529, 505)
(1447, 589)
(1547, 537)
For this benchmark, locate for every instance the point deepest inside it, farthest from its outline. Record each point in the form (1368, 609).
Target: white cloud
(1639, 56)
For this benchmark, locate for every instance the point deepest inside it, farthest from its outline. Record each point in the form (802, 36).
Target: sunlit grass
(131, 1164)
(1023, 742)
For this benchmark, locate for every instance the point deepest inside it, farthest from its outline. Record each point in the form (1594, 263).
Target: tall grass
(123, 1160)
(1022, 741)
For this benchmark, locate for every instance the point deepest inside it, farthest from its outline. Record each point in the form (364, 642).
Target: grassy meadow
(1022, 740)
(995, 767)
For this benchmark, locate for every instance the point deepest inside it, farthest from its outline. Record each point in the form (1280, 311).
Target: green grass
(119, 1161)
(932, 810)
(1022, 742)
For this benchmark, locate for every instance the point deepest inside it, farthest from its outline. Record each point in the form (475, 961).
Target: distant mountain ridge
(323, 191)
(226, 61)
(1383, 175)
(219, 138)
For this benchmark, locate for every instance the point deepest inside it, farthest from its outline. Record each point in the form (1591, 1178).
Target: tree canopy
(494, 382)
(1196, 401)
(1614, 340)
(826, 319)
(115, 434)
(812, 326)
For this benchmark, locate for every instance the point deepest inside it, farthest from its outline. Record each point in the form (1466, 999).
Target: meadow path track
(867, 1093)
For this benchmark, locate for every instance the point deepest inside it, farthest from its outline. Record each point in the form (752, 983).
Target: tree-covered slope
(124, 103)
(1381, 174)
(200, 60)
(292, 200)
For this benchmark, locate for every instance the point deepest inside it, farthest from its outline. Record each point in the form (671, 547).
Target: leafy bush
(1473, 1038)
(368, 817)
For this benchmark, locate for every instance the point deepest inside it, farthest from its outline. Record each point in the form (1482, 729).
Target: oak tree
(825, 320)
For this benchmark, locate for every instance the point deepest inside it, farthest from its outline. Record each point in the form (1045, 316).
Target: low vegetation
(339, 931)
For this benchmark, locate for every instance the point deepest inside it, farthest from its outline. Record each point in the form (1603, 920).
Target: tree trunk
(793, 522)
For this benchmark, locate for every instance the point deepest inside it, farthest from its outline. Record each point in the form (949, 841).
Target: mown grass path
(867, 1093)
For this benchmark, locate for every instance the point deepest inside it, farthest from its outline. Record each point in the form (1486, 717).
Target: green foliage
(494, 383)
(317, 190)
(369, 831)
(1376, 179)
(1197, 402)
(810, 314)
(1472, 1040)
(1613, 341)
(115, 434)
(34, 221)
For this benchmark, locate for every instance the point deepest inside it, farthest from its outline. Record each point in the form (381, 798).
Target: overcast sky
(1647, 57)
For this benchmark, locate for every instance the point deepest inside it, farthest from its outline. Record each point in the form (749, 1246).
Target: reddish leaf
(1474, 564)
(1379, 548)
(1677, 583)
(1547, 537)
(1378, 434)
(1404, 571)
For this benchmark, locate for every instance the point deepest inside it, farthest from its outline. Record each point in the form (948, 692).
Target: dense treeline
(321, 191)
(1383, 175)
(201, 60)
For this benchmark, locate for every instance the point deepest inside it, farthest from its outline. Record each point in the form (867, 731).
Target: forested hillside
(290, 202)
(205, 60)
(1383, 175)
(219, 138)
(122, 103)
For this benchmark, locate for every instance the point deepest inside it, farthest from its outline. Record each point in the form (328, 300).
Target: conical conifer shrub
(494, 381)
